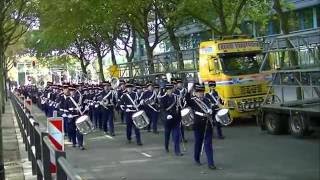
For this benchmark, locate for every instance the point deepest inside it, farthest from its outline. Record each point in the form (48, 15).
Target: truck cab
(234, 64)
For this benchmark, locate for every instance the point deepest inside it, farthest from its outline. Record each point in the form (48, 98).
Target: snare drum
(187, 116)
(140, 119)
(84, 124)
(223, 117)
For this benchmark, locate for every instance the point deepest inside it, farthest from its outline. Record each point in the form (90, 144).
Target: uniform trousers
(130, 126)
(174, 129)
(200, 136)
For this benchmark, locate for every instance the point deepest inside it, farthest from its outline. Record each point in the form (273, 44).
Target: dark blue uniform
(169, 105)
(107, 111)
(74, 110)
(64, 111)
(119, 94)
(214, 98)
(97, 111)
(202, 129)
(182, 103)
(149, 105)
(128, 106)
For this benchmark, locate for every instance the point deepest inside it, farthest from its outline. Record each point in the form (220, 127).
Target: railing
(39, 147)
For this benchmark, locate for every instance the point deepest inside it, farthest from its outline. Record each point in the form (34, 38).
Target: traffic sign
(56, 136)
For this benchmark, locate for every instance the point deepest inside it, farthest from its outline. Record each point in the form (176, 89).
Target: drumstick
(204, 136)
(183, 144)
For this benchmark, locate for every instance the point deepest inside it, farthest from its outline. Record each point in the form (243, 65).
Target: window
(239, 64)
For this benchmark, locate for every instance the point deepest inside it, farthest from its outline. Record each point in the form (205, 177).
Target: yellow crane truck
(234, 64)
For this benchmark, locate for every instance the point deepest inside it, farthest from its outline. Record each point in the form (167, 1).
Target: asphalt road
(246, 154)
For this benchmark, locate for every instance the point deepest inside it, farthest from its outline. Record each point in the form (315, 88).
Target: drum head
(82, 119)
(223, 112)
(139, 113)
(185, 111)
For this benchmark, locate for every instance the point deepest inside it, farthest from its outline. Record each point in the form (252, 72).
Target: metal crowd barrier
(38, 146)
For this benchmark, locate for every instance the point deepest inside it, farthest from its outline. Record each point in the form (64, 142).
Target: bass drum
(223, 117)
(84, 125)
(140, 119)
(187, 116)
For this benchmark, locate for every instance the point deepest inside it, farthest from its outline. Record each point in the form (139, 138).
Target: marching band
(140, 107)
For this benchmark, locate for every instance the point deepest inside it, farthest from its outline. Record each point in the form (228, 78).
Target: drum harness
(150, 101)
(216, 101)
(104, 101)
(77, 106)
(133, 103)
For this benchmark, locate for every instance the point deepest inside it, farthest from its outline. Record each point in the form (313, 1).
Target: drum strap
(201, 104)
(105, 97)
(77, 106)
(133, 103)
(172, 105)
(214, 99)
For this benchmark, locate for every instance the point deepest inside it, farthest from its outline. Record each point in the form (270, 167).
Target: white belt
(199, 113)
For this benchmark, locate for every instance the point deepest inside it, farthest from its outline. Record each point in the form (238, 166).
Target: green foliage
(224, 16)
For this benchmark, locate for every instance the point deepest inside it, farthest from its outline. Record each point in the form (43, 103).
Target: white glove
(210, 111)
(169, 117)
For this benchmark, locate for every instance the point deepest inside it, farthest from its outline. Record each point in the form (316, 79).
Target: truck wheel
(299, 125)
(273, 123)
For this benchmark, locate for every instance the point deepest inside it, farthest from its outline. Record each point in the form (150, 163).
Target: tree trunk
(2, 175)
(113, 56)
(176, 46)
(83, 67)
(5, 83)
(150, 60)
(101, 74)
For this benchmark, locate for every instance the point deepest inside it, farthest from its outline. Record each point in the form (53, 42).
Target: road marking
(147, 155)
(134, 161)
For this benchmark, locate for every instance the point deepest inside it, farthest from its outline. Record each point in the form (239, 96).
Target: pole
(2, 7)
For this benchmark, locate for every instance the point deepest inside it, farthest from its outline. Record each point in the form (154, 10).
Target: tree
(223, 16)
(16, 16)
(146, 23)
(172, 18)
(128, 44)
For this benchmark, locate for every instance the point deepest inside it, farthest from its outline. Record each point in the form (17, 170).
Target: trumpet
(115, 83)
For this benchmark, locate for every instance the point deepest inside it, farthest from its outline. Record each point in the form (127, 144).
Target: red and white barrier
(56, 136)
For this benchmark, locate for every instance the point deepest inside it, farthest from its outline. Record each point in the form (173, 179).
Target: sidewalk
(16, 164)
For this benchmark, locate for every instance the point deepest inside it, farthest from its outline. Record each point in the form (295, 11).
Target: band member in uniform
(74, 109)
(169, 105)
(180, 91)
(215, 100)
(107, 101)
(96, 110)
(91, 104)
(148, 100)
(64, 109)
(202, 124)
(129, 104)
(119, 93)
(72, 116)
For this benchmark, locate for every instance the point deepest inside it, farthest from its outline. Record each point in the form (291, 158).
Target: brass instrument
(115, 83)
